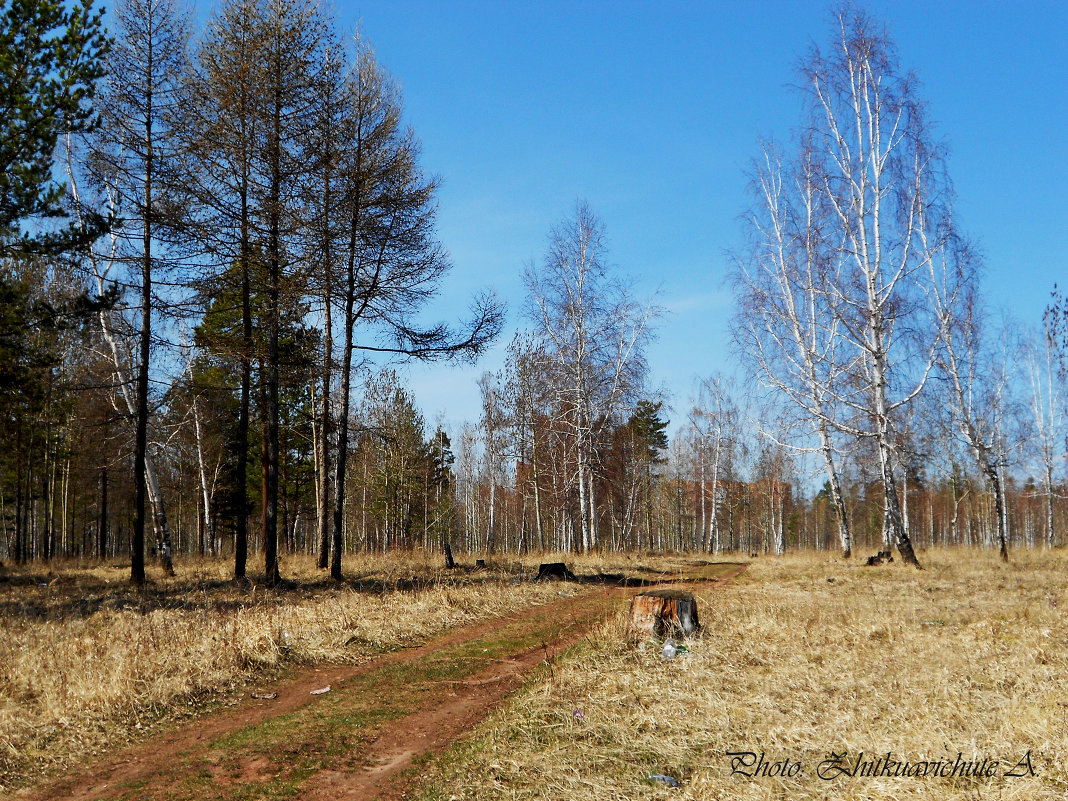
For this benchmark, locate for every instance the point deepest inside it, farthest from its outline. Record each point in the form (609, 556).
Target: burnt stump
(550, 571)
(879, 558)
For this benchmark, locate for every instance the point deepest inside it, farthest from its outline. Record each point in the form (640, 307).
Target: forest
(219, 244)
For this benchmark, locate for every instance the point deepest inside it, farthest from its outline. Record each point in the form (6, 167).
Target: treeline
(244, 220)
(192, 325)
(872, 358)
(722, 485)
(860, 310)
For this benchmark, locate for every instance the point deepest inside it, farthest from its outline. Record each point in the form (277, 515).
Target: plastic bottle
(671, 781)
(669, 649)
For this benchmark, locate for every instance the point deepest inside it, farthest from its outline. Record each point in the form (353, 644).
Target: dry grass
(86, 661)
(801, 656)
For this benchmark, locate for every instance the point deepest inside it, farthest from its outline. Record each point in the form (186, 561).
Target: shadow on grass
(43, 595)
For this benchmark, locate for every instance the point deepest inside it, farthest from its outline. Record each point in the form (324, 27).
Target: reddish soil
(463, 704)
(456, 706)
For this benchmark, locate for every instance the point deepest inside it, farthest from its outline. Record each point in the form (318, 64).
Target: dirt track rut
(361, 739)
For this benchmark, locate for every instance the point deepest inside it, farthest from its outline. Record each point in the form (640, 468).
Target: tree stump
(450, 563)
(480, 564)
(879, 558)
(661, 613)
(550, 571)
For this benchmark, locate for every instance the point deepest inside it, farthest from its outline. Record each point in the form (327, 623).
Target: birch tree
(715, 420)
(882, 177)
(785, 323)
(593, 334)
(771, 470)
(1047, 413)
(494, 430)
(977, 365)
(529, 398)
(203, 403)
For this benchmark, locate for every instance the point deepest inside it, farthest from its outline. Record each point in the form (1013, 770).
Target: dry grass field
(801, 657)
(87, 662)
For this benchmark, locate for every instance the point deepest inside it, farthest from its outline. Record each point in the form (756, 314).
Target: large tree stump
(661, 613)
(549, 571)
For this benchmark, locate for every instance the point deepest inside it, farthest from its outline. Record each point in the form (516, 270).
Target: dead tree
(131, 152)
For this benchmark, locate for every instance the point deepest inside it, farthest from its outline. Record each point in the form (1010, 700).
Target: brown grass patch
(799, 657)
(87, 662)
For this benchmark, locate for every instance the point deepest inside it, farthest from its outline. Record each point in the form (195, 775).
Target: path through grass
(801, 657)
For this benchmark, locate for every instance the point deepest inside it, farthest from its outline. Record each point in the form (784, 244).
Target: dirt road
(364, 736)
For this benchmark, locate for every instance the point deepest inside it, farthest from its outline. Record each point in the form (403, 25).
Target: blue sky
(651, 113)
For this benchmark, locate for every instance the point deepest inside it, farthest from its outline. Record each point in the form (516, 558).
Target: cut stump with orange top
(662, 613)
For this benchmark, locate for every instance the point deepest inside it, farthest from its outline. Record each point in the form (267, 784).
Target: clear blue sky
(651, 112)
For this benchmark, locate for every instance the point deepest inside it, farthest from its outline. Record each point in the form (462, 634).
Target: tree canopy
(51, 58)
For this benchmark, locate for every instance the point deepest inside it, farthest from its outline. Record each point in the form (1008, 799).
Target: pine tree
(53, 56)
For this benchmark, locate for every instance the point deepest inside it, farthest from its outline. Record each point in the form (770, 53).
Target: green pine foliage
(51, 57)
